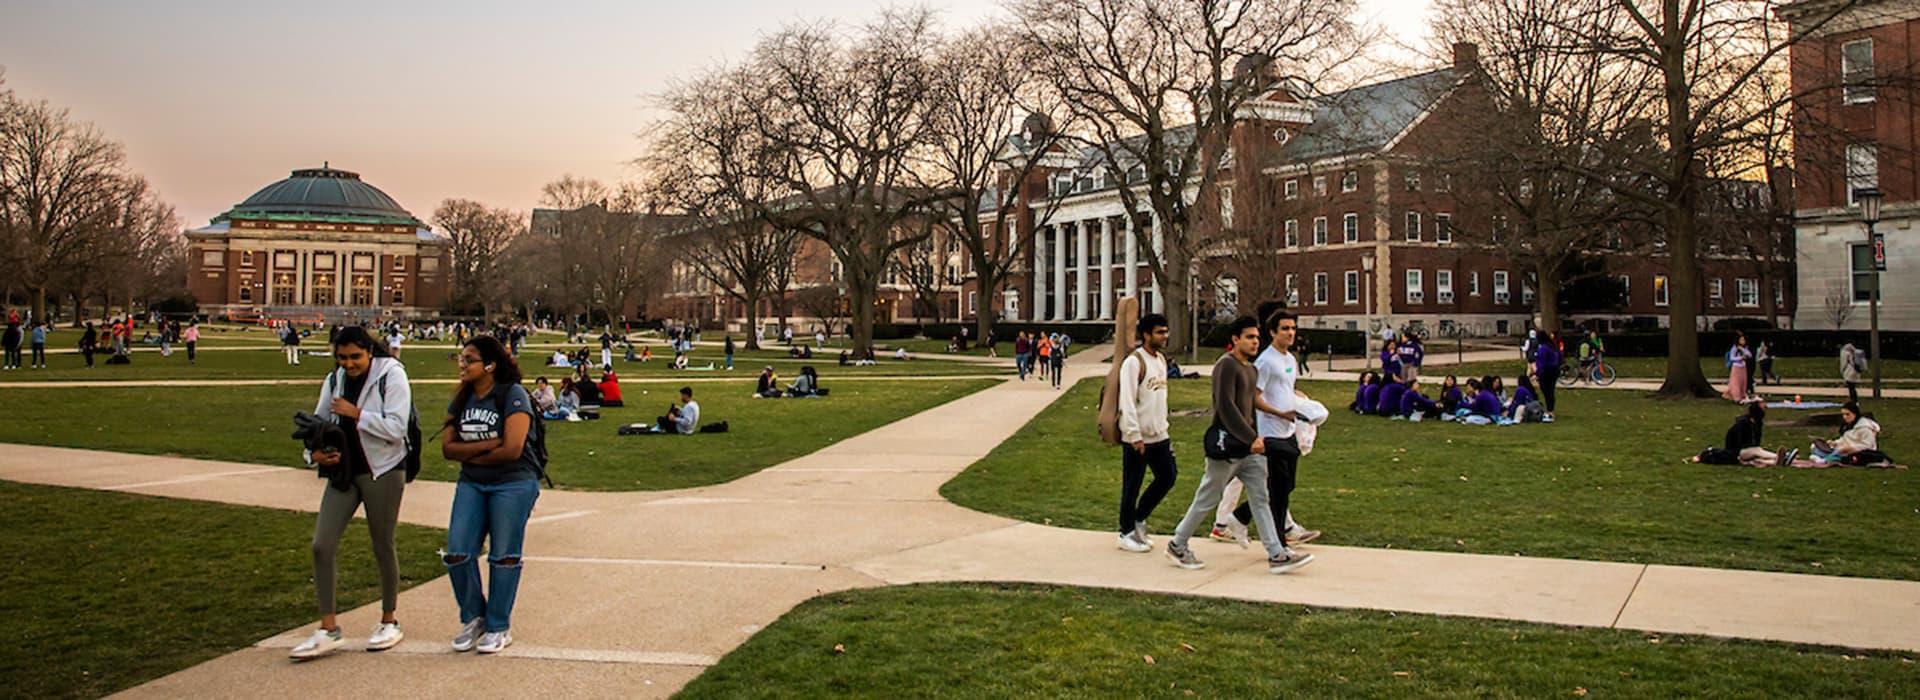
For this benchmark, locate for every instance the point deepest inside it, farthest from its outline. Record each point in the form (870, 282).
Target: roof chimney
(1466, 55)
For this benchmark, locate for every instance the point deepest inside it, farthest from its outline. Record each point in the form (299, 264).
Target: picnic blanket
(1802, 404)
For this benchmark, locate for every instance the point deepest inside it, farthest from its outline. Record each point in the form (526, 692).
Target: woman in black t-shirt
(487, 431)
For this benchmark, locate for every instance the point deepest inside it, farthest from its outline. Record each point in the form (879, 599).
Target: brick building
(320, 242)
(1856, 127)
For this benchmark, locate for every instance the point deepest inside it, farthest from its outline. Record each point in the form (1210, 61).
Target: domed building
(319, 243)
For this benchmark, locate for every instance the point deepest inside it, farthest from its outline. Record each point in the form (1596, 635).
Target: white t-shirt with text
(1277, 373)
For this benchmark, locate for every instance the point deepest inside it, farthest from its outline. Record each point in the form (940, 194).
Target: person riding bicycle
(1591, 351)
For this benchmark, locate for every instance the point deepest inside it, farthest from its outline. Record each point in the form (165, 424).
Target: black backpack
(536, 447)
(412, 460)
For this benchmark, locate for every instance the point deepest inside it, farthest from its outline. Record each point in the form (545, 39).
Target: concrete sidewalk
(633, 594)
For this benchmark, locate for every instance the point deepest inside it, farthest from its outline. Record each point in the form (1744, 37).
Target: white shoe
(385, 636)
(469, 634)
(1140, 533)
(1132, 544)
(493, 642)
(322, 643)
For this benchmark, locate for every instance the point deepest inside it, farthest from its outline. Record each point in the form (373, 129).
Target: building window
(1413, 227)
(399, 263)
(1856, 71)
(322, 292)
(1444, 183)
(973, 303)
(1350, 228)
(362, 292)
(1500, 287)
(1293, 188)
(246, 291)
(1659, 290)
(211, 258)
(1747, 292)
(1863, 168)
(1319, 230)
(1443, 286)
(1292, 289)
(1443, 228)
(1412, 180)
(1862, 255)
(1320, 185)
(1779, 292)
(1349, 181)
(399, 296)
(1626, 290)
(1416, 290)
(246, 258)
(1473, 283)
(1292, 228)
(1353, 287)
(1715, 293)
(1320, 288)
(1526, 290)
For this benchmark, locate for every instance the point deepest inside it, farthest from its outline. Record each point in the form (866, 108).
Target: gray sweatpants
(382, 498)
(1251, 470)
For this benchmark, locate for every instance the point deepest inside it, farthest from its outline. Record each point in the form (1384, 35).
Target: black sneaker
(1286, 561)
(1183, 557)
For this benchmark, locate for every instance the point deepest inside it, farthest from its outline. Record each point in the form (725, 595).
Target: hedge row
(1899, 345)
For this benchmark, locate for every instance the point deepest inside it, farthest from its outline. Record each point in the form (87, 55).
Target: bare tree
(843, 114)
(61, 184)
(1154, 87)
(480, 236)
(570, 192)
(1839, 304)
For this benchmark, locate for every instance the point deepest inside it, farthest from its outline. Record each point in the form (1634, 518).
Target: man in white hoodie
(1143, 433)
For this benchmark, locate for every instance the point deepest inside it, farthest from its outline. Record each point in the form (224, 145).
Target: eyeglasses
(463, 360)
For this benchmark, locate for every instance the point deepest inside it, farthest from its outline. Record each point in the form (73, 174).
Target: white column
(1059, 264)
(1106, 268)
(1082, 299)
(1037, 309)
(1133, 257)
(1160, 253)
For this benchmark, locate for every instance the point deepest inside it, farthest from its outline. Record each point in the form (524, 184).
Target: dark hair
(686, 391)
(1241, 324)
(1526, 382)
(1757, 410)
(505, 370)
(1274, 319)
(355, 335)
(1148, 323)
(1450, 381)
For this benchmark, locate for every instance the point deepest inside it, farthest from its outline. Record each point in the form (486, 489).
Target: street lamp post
(1366, 346)
(1869, 199)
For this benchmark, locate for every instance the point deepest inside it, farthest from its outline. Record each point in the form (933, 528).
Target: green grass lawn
(1606, 482)
(268, 362)
(982, 640)
(251, 424)
(1797, 370)
(927, 345)
(102, 591)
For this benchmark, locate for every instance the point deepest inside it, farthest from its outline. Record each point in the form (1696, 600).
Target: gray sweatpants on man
(382, 498)
(1251, 470)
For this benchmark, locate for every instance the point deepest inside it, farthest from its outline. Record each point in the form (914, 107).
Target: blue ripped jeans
(496, 512)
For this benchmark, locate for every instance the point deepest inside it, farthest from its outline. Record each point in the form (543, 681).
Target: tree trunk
(752, 300)
(39, 303)
(985, 285)
(1547, 276)
(1179, 326)
(1684, 378)
(860, 326)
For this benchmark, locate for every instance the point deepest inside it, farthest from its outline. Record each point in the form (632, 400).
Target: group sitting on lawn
(1480, 403)
(1857, 444)
(805, 386)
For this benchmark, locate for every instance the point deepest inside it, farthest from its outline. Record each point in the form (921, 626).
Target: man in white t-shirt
(1274, 415)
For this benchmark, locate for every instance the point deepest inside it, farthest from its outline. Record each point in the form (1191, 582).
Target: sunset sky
(426, 99)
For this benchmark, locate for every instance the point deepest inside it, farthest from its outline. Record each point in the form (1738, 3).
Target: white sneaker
(1131, 543)
(1140, 533)
(322, 643)
(469, 634)
(385, 636)
(493, 642)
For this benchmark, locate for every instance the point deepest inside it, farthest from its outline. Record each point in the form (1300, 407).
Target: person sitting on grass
(768, 386)
(543, 396)
(1485, 404)
(900, 354)
(807, 384)
(566, 406)
(1450, 395)
(679, 361)
(1743, 439)
(1525, 404)
(1857, 443)
(1415, 406)
(683, 419)
(646, 354)
(560, 359)
(610, 388)
(1359, 404)
(1389, 402)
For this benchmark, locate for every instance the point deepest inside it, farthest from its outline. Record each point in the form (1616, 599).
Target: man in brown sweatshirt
(1236, 450)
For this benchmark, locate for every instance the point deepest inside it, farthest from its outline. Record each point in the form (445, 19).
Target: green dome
(324, 194)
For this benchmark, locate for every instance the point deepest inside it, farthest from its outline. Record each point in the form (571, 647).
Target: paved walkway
(634, 594)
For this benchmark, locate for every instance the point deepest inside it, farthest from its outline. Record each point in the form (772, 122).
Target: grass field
(103, 591)
(979, 640)
(251, 424)
(1606, 482)
(255, 361)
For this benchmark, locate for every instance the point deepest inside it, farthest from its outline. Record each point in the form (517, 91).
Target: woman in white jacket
(369, 399)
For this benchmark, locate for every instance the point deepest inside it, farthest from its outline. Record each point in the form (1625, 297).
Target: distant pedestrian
(1853, 363)
(290, 342)
(11, 342)
(1739, 360)
(606, 348)
(729, 350)
(1022, 354)
(39, 343)
(395, 339)
(89, 342)
(1545, 364)
(1764, 356)
(1059, 362)
(1145, 440)
(191, 336)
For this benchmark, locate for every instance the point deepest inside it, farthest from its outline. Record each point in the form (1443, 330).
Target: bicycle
(1599, 372)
